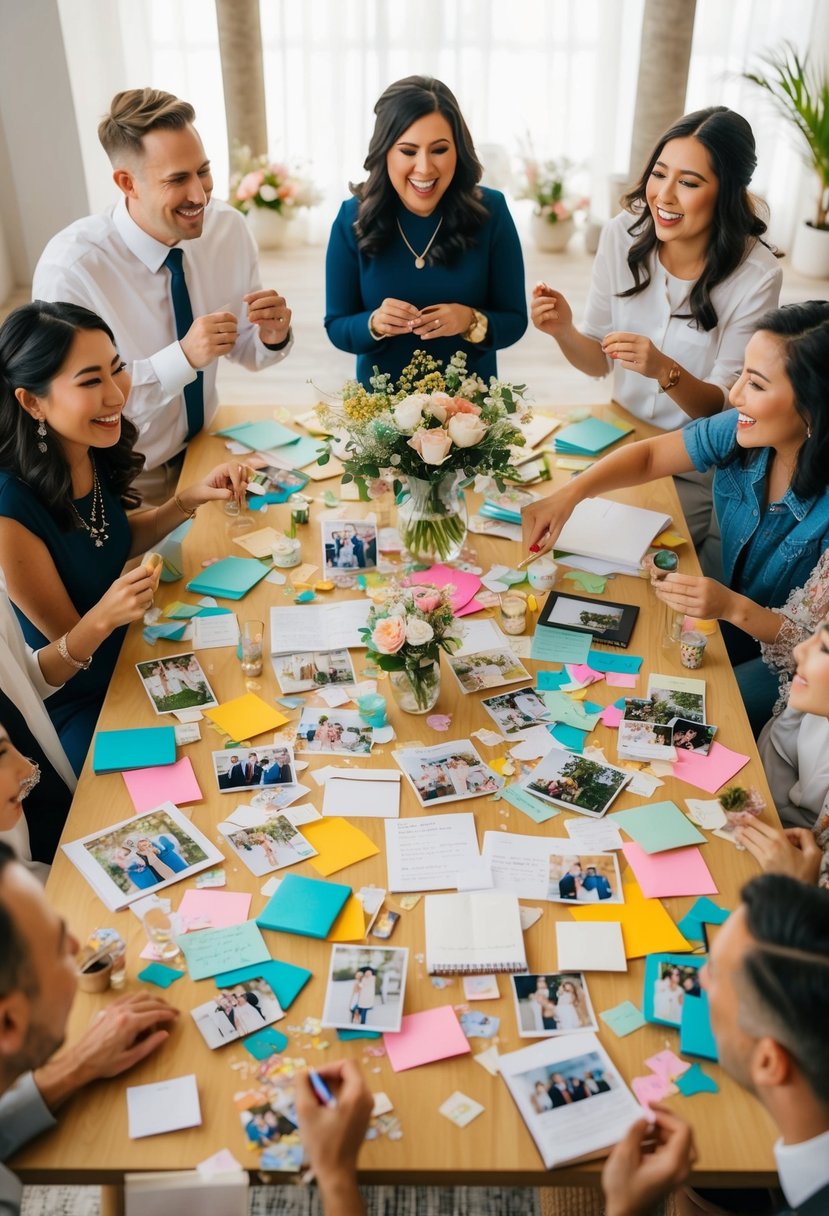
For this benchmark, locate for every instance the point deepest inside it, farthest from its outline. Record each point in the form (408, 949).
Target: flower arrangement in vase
(545, 183)
(259, 182)
(438, 429)
(405, 632)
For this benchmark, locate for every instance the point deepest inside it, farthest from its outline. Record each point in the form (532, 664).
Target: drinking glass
(252, 635)
(160, 930)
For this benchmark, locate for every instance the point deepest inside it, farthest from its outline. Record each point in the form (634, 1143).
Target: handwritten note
(213, 950)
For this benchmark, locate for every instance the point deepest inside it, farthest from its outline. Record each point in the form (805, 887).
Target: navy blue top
(86, 572)
(489, 277)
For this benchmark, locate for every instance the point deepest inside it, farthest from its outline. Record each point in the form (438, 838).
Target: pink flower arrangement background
(259, 182)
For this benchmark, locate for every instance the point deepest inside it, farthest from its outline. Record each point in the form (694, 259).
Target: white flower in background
(418, 632)
(465, 430)
(268, 194)
(409, 412)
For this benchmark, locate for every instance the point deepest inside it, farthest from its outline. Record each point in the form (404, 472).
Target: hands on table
(395, 317)
(652, 1160)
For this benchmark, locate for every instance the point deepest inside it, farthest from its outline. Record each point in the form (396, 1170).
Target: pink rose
(431, 446)
(249, 185)
(286, 191)
(466, 430)
(389, 634)
(459, 405)
(426, 599)
(561, 211)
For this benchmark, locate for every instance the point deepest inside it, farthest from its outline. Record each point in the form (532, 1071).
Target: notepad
(117, 751)
(611, 532)
(474, 934)
(305, 906)
(589, 437)
(230, 578)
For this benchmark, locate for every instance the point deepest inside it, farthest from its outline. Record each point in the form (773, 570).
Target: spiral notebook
(474, 934)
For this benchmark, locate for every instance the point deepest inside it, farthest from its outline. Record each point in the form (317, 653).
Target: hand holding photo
(235, 1012)
(552, 1004)
(176, 682)
(576, 783)
(366, 987)
(348, 546)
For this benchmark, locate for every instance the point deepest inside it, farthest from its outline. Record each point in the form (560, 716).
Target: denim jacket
(766, 550)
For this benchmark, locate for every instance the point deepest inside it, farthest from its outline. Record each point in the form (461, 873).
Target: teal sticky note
(695, 1081)
(307, 906)
(231, 578)
(265, 1043)
(703, 912)
(623, 1018)
(696, 1037)
(569, 712)
(169, 630)
(286, 979)
(261, 436)
(594, 584)
(589, 437)
(537, 810)
(158, 974)
(569, 736)
(601, 660)
(304, 451)
(118, 751)
(211, 951)
(658, 827)
(347, 1035)
(170, 550)
(184, 612)
(554, 645)
(548, 681)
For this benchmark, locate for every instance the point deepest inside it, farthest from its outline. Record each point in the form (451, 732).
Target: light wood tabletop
(91, 1144)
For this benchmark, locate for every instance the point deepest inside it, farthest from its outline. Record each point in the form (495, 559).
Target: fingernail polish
(534, 548)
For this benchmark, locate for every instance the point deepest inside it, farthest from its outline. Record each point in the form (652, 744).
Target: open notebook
(474, 934)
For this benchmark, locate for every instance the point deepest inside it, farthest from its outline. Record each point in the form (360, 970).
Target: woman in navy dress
(423, 256)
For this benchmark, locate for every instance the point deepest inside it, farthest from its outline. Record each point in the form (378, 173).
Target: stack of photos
(516, 712)
(641, 737)
(576, 783)
(669, 978)
(693, 736)
(312, 669)
(236, 1011)
(589, 878)
(269, 1121)
(337, 732)
(366, 987)
(551, 1004)
(609, 623)
(243, 768)
(125, 861)
(447, 772)
(487, 669)
(677, 697)
(177, 682)
(348, 545)
(270, 845)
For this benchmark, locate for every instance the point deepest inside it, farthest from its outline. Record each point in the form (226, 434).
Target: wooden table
(90, 1144)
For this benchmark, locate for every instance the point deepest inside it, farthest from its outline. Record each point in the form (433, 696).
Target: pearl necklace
(420, 258)
(98, 524)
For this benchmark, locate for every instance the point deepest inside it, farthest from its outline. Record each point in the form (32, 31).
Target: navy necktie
(183, 314)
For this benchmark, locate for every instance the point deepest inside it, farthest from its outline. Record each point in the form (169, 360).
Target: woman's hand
(224, 482)
(704, 598)
(542, 521)
(127, 600)
(394, 317)
(444, 320)
(636, 353)
(550, 311)
(794, 851)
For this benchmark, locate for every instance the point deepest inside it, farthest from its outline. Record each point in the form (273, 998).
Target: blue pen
(324, 1094)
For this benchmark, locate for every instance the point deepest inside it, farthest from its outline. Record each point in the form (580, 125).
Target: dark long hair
(729, 141)
(35, 341)
(462, 208)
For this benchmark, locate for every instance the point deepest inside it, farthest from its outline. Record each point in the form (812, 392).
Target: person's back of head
(135, 112)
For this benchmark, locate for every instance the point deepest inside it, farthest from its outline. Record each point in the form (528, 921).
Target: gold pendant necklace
(420, 258)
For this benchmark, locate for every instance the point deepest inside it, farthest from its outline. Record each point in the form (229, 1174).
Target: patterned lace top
(800, 616)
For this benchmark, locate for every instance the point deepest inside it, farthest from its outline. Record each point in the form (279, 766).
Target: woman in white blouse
(680, 280)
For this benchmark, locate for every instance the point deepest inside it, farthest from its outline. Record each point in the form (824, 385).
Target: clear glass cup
(252, 637)
(161, 932)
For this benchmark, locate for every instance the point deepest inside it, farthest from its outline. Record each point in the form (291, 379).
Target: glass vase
(416, 691)
(432, 519)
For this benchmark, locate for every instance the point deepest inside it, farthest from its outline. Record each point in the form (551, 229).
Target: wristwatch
(673, 378)
(479, 328)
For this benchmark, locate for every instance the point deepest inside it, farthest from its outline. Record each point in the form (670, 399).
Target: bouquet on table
(438, 429)
(405, 632)
(259, 182)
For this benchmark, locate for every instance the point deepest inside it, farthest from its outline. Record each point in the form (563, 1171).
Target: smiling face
(421, 163)
(17, 776)
(169, 187)
(765, 399)
(681, 192)
(810, 686)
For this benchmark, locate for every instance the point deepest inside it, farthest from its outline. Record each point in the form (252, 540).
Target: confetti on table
(439, 721)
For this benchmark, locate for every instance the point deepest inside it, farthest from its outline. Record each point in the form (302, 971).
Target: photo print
(576, 783)
(270, 845)
(248, 768)
(348, 546)
(553, 1088)
(677, 697)
(517, 711)
(447, 772)
(236, 1011)
(693, 736)
(366, 987)
(584, 878)
(333, 732)
(176, 682)
(554, 1003)
(312, 669)
(487, 669)
(607, 622)
(668, 980)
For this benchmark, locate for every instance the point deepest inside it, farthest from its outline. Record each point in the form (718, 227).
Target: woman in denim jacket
(771, 456)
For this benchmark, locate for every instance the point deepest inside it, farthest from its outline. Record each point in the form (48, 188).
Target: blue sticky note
(118, 751)
(657, 827)
(231, 578)
(601, 660)
(537, 810)
(554, 645)
(158, 974)
(623, 1018)
(703, 912)
(695, 1081)
(569, 736)
(348, 1035)
(286, 980)
(588, 437)
(307, 906)
(696, 1037)
(265, 1043)
(171, 631)
(260, 436)
(549, 681)
(210, 951)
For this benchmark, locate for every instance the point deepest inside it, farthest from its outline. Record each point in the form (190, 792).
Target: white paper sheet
(590, 946)
(165, 1106)
(212, 631)
(593, 835)
(426, 853)
(370, 794)
(318, 626)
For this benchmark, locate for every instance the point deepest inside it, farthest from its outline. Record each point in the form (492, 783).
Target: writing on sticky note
(601, 660)
(623, 1019)
(213, 950)
(537, 810)
(553, 645)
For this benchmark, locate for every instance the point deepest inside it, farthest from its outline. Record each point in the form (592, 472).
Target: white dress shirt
(803, 1168)
(715, 356)
(110, 265)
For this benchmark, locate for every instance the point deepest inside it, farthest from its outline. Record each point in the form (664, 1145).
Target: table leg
(112, 1200)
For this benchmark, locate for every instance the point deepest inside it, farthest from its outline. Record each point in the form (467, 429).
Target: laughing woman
(423, 255)
(66, 467)
(771, 460)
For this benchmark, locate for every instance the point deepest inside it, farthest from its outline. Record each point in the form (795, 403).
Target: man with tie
(173, 273)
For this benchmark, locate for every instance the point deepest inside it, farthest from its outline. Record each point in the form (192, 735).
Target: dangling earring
(41, 435)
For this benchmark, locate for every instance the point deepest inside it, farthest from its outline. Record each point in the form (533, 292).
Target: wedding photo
(668, 980)
(235, 1012)
(550, 1090)
(335, 732)
(312, 669)
(176, 682)
(447, 772)
(366, 987)
(516, 712)
(487, 669)
(554, 1003)
(270, 845)
(585, 879)
(240, 768)
(348, 545)
(576, 783)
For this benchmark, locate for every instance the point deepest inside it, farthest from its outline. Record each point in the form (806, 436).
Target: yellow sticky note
(350, 925)
(573, 464)
(646, 926)
(669, 540)
(245, 717)
(338, 843)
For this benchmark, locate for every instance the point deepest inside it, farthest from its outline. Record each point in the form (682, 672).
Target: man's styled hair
(783, 983)
(16, 971)
(133, 113)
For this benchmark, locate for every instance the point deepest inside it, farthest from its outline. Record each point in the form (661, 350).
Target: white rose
(398, 608)
(409, 411)
(419, 632)
(436, 411)
(465, 430)
(268, 193)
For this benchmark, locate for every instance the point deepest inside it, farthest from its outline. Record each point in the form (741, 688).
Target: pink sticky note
(167, 783)
(474, 605)
(220, 908)
(432, 1034)
(667, 1065)
(652, 1089)
(708, 773)
(620, 679)
(611, 716)
(677, 872)
(582, 673)
(465, 584)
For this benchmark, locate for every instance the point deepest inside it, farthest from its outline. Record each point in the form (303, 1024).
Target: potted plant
(552, 219)
(801, 95)
(269, 195)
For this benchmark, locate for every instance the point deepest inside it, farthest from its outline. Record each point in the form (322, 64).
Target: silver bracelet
(67, 658)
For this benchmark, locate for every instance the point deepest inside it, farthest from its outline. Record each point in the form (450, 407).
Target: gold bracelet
(182, 508)
(67, 658)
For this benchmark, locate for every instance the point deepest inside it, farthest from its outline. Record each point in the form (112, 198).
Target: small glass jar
(692, 649)
(286, 553)
(513, 606)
